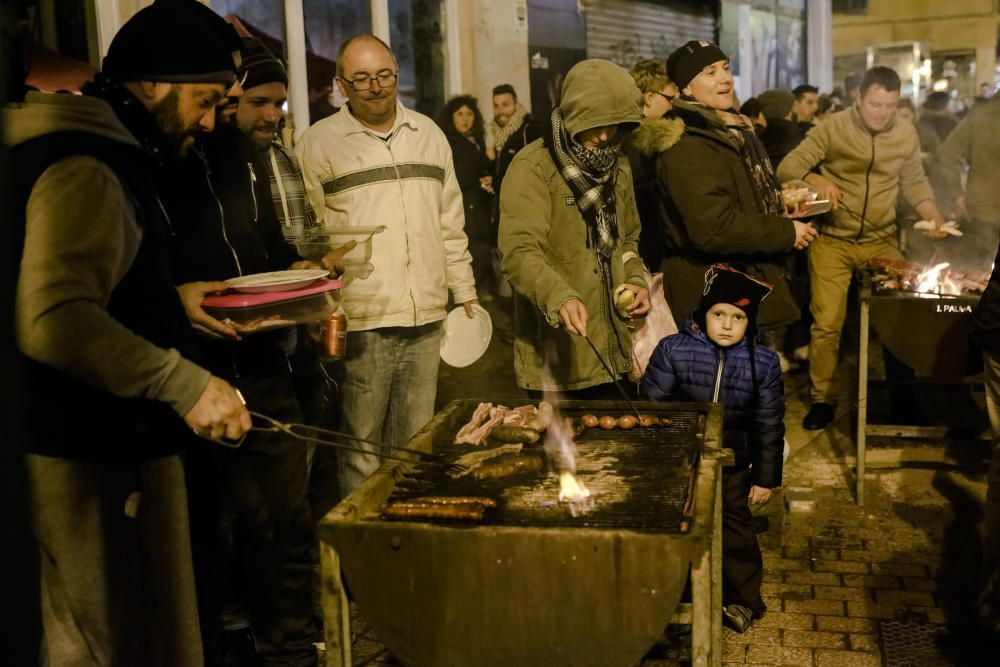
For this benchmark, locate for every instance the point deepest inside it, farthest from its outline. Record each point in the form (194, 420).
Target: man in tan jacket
(861, 159)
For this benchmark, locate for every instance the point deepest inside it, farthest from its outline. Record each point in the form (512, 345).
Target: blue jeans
(388, 389)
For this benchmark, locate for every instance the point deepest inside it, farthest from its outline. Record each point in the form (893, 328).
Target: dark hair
(824, 103)
(937, 101)
(504, 88)
(852, 81)
(801, 91)
(360, 37)
(750, 108)
(885, 77)
(447, 124)
(906, 103)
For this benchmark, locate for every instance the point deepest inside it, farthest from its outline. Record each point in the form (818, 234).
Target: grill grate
(640, 478)
(911, 644)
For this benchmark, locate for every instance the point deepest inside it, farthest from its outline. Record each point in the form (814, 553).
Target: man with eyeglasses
(654, 134)
(375, 162)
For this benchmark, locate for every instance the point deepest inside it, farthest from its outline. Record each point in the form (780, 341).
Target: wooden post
(336, 609)
(862, 394)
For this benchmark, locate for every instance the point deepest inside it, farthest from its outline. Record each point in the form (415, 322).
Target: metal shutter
(625, 31)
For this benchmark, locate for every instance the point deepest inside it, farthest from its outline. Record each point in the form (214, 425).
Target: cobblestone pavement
(833, 570)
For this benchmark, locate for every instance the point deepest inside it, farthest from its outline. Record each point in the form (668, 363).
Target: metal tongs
(314, 434)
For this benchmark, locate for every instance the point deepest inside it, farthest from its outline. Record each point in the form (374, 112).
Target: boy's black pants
(742, 565)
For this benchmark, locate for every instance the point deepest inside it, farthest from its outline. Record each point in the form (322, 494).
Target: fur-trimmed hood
(655, 135)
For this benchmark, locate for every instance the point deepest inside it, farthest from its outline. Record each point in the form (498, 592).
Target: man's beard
(168, 117)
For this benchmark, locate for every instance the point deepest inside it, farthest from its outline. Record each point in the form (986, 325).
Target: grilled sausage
(608, 422)
(627, 422)
(405, 510)
(509, 466)
(514, 434)
(590, 421)
(449, 500)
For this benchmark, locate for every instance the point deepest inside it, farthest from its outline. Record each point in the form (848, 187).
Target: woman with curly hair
(462, 123)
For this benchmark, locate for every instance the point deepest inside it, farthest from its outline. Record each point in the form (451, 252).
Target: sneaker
(818, 417)
(737, 617)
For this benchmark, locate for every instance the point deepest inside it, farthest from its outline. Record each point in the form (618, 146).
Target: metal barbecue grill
(927, 332)
(531, 584)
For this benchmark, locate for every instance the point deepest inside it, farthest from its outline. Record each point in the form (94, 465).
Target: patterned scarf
(591, 174)
(502, 134)
(740, 129)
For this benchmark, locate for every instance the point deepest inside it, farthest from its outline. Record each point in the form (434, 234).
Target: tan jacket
(354, 178)
(870, 169)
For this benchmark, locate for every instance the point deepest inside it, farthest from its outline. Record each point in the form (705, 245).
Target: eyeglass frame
(353, 82)
(669, 98)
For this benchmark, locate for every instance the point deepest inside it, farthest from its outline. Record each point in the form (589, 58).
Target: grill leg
(862, 401)
(336, 609)
(706, 588)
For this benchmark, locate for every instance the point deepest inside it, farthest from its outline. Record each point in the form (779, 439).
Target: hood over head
(45, 113)
(597, 93)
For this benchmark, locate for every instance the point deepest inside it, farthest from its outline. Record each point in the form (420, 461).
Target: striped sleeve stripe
(404, 171)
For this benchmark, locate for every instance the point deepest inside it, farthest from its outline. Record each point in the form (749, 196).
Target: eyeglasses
(384, 79)
(669, 98)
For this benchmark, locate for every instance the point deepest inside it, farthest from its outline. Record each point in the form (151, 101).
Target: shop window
(417, 36)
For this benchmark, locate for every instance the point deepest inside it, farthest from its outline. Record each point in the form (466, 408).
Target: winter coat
(688, 366)
(709, 213)
(987, 319)
(779, 138)
(355, 178)
(652, 247)
(976, 143)
(548, 259)
(471, 164)
(869, 168)
(97, 319)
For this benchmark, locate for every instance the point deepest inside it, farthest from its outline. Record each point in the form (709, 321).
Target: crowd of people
(141, 196)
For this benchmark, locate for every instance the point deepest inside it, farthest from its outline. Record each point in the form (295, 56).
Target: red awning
(49, 71)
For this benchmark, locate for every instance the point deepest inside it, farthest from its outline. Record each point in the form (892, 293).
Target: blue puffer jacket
(687, 366)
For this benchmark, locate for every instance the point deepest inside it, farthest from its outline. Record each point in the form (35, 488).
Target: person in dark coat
(719, 199)
(782, 133)
(462, 122)
(716, 358)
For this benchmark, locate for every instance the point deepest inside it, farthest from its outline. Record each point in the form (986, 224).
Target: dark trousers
(263, 485)
(990, 597)
(742, 564)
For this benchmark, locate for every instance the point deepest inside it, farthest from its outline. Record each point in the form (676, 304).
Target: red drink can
(335, 335)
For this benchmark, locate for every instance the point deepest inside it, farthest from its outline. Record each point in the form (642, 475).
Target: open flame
(561, 449)
(936, 280)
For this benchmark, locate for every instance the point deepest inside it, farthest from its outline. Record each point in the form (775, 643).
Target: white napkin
(950, 227)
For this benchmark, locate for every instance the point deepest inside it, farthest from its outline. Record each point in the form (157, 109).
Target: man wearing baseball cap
(109, 395)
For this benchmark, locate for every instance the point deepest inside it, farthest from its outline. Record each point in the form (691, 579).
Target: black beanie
(259, 65)
(687, 62)
(176, 41)
(724, 284)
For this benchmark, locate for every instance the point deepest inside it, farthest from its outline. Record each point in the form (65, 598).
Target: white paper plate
(465, 340)
(276, 281)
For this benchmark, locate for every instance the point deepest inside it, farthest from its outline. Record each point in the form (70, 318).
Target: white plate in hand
(465, 340)
(276, 281)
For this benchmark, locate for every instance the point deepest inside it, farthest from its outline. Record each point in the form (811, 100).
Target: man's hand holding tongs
(219, 413)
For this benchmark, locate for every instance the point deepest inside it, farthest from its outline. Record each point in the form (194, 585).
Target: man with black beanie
(110, 394)
(224, 225)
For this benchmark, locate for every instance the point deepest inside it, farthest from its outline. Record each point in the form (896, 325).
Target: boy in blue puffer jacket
(715, 359)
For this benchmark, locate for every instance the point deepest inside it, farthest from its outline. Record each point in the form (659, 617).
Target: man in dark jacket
(224, 225)
(106, 346)
(782, 133)
(512, 129)
(658, 94)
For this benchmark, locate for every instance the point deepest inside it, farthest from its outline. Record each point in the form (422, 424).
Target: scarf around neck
(739, 129)
(502, 134)
(591, 174)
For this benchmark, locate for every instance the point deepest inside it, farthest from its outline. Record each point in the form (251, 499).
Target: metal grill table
(928, 333)
(532, 584)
